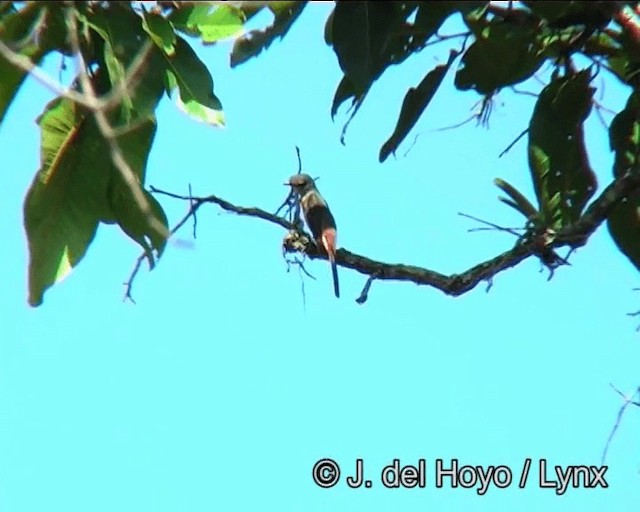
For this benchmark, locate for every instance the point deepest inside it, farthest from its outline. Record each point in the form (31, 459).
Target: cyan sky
(221, 388)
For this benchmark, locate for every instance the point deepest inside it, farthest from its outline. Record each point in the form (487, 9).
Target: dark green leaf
(149, 229)
(562, 176)
(190, 75)
(368, 37)
(624, 136)
(549, 10)
(624, 220)
(161, 31)
(125, 42)
(562, 14)
(415, 102)
(504, 54)
(344, 91)
(328, 29)
(432, 14)
(624, 226)
(361, 31)
(252, 43)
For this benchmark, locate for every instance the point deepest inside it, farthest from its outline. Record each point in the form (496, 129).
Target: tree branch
(628, 400)
(295, 241)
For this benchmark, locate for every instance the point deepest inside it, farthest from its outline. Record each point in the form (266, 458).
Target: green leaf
(76, 187)
(361, 31)
(67, 197)
(328, 29)
(624, 136)
(190, 75)
(624, 226)
(415, 102)
(225, 22)
(516, 199)
(125, 42)
(161, 31)
(147, 228)
(624, 220)
(367, 37)
(433, 13)
(503, 54)
(550, 11)
(344, 91)
(210, 23)
(252, 43)
(562, 177)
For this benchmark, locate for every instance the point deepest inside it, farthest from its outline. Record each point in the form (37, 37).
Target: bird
(319, 218)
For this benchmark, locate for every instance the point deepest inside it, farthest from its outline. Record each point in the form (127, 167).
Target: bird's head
(302, 183)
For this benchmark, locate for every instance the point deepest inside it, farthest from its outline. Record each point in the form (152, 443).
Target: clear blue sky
(221, 388)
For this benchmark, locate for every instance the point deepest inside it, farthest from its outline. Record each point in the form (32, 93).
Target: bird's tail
(336, 285)
(329, 242)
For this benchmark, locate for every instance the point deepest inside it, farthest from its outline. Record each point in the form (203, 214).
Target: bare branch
(628, 400)
(572, 236)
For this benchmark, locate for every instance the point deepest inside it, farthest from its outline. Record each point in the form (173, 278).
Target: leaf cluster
(97, 134)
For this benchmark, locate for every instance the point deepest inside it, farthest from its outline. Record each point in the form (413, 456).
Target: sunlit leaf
(209, 22)
(255, 41)
(415, 102)
(161, 31)
(562, 176)
(187, 73)
(78, 186)
(67, 197)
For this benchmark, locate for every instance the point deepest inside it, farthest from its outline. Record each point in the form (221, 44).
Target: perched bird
(319, 219)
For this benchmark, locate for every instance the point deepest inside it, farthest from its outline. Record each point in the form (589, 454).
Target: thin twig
(628, 400)
(364, 295)
(490, 224)
(510, 146)
(299, 160)
(195, 217)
